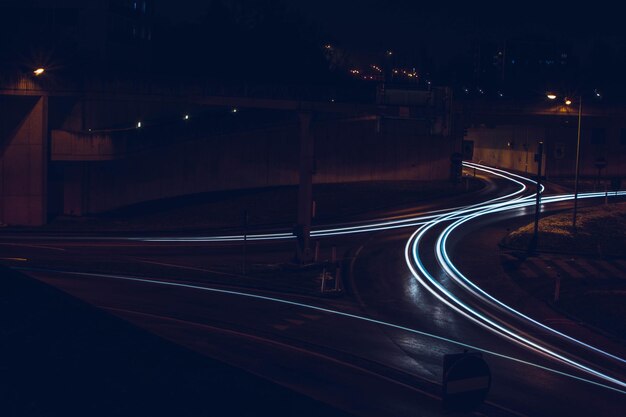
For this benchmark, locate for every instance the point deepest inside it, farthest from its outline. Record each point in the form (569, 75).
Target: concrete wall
(511, 147)
(23, 168)
(514, 146)
(356, 150)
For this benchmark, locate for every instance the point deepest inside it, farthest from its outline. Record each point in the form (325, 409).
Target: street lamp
(38, 72)
(580, 111)
(539, 159)
(568, 102)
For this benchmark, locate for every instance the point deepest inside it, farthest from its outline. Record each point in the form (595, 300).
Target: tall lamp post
(539, 159)
(568, 102)
(580, 111)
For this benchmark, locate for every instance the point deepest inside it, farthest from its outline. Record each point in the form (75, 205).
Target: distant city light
(234, 110)
(138, 125)
(186, 117)
(39, 71)
(568, 101)
(551, 96)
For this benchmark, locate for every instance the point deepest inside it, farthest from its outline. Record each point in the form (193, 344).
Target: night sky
(439, 29)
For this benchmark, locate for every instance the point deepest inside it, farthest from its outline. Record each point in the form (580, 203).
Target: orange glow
(551, 96)
(39, 71)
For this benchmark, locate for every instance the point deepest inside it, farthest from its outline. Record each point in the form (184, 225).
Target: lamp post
(580, 108)
(539, 160)
(568, 102)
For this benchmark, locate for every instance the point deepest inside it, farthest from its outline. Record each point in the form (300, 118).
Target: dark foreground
(62, 357)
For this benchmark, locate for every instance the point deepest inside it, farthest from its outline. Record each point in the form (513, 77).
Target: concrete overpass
(48, 122)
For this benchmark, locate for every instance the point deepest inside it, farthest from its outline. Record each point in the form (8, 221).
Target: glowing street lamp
(38, 72)
(568, 102)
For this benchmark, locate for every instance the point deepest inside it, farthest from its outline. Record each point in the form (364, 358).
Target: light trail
(422, 275)
(329, 311)
(449, 299)
(376, 226)
(444, 260)
(457, 216)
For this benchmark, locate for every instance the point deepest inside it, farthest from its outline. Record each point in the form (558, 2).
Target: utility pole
(305, 190)
(580, 110)
(539, 159)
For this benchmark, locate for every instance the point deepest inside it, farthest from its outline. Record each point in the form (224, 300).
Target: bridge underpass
(85, 149)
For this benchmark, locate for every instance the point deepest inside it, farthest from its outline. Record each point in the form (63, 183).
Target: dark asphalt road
(365, 368)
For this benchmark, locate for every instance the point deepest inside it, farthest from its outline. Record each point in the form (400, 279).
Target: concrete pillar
(23, 169)
(305, 190)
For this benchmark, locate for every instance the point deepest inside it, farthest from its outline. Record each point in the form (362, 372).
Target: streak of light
(366, 228)
(445, 296)
(329, 311)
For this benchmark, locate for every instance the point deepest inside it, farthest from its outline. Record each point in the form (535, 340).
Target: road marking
(615, 270)
(604, 268)
(569, 267)
(588, 270)
(535, 270)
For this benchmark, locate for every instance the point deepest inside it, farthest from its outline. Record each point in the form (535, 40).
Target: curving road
(415, 293)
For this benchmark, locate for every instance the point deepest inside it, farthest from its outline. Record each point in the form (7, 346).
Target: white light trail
(329, 311)
(375, 226)
(459, 217)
